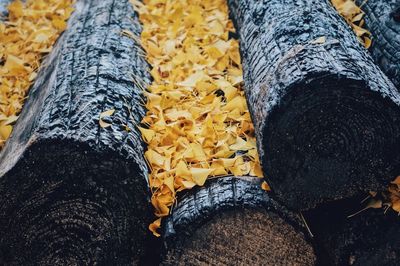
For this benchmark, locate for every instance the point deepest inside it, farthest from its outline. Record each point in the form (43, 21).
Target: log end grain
(326, 117)
(328, 141)
(84, 207)
(243, 236)
(369, 238)
(236, 223)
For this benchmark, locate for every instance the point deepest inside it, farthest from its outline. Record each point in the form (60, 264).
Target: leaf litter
(197, 125)
(26, 36)
(354, 16)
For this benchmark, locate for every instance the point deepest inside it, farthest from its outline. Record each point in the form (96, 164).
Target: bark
(3, 8)
(383, 21)
(327, 119)
(369, 238)
(232, 221)
(72, 192)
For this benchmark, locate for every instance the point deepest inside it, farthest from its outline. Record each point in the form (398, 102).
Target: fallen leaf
(200, 175)
(154, 226)
(105, 114)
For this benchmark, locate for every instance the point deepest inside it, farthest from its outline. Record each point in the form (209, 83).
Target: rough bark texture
(383, 21)
(72, 192)
(370, 238)
(327, 119)
(232, 221)
(3, 8)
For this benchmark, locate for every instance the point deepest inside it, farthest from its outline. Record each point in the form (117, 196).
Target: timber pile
(231, 220)
(327, 120)
(199, 132)
(71, 191)
(73, 184)
(383, 21)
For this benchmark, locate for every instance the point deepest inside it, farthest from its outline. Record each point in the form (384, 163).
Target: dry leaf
(354, 17)
(197, 118)
(26, 35)
(265, 186)
(105, 114)
(154, 226)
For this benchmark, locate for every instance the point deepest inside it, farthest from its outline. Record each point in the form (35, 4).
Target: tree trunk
(327, 119)
(369, 238)
(383, 21)
(72, 192)
(232, 221)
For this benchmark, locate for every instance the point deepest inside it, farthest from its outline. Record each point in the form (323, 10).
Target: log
(383, 21)
(327, 119)
(369, 238)
(232, 221)
(72, 192)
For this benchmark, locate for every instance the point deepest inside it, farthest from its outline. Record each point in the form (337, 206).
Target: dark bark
(327, 119)
(383, 21)
(369, 238)
(72, 192)
(231, 220)
(3, 8)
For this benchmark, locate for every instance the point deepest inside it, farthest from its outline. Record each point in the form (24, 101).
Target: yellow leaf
(169, 182)
(182, 170)
(265, 186)
(42, 36)
(192, 79)
(236, 103)
(154, 226)
(213, 52)
(240, 144)
(188, 184)
(200, 175)
(59, 24)
(367, 42)
(15, 9)
(154, 158)
(257, 170)
(14, 65)
(198, 153)
(104, 114)
(107, 113)
(5, 131)
(147, 134)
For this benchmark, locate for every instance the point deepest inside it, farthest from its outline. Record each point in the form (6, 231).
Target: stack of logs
(327, 122)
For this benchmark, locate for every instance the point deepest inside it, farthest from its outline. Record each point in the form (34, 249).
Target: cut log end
(70, 213)
(243, 236)
(332, 141)
(233, 220)
(369, 238)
